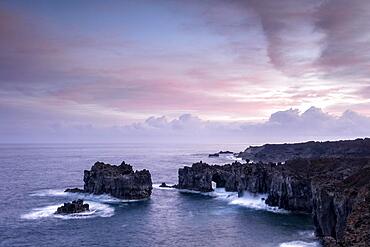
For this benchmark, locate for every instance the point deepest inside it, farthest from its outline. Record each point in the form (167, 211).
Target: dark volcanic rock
(234, 177)
(74, 190)
(309, 150)
(218, 154)
(73, 207)
(119, 181)
(164, 185)
(335, 190)
(213, 155)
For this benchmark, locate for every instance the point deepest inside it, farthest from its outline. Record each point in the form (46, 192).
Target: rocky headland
(73, 207)
(309, 150)
(334, 189)
(119, 181)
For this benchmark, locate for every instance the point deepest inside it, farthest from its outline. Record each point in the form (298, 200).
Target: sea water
(33, 179)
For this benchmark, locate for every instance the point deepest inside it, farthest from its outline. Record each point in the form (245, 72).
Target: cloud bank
(282, 126)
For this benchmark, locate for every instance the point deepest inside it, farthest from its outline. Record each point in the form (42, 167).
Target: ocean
(33, 178)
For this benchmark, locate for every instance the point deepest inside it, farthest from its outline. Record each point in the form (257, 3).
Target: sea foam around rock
(104, 198)
(96, 210)
(299, 244)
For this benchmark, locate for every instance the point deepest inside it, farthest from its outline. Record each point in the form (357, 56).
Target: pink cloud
(238, 59)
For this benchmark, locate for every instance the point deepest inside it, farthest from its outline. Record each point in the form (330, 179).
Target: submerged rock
(119, 181)
(73, 207)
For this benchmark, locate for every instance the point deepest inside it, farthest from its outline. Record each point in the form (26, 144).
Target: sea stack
(119, 181)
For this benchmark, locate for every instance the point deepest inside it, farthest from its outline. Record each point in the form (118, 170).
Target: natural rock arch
(219, 180)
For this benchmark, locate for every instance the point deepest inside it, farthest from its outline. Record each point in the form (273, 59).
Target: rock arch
(219, 180)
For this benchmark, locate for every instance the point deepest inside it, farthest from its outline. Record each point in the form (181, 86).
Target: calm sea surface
(33, 177)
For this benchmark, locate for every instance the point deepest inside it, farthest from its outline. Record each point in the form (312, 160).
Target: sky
(232, 71)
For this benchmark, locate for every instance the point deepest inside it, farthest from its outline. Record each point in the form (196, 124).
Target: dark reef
(214, 155)
(334, 189)
(164, 185)
(218, 154)
(73, 207)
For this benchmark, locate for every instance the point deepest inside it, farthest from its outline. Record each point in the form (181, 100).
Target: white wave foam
(307, 233)
(248, 200)
(233, 158)
(157, 186)
(96, 210)
(104, 198)
(299, 244)
(49, 192)
(256, 201)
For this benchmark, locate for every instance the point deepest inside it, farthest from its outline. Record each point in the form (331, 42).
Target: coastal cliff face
(334, 190)
(233, 177)
(119, 181)
(308, 150)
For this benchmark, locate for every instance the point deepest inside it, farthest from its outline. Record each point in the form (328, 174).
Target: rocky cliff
(334, 190)
(119, 181)
(233, 177)
(309, 150)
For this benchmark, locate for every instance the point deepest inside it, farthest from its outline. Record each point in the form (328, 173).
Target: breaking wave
(104, 198)
(96, 210)
(248, 200)
(307, 233)
(307, 237)
(299, 244)
(233, 158)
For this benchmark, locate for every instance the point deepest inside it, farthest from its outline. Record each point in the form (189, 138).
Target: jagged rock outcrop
(234, 177)
(309, 150)
(74, 190)
(73, 207)
(164, 185)
(119, 181)
(220, 153)
(334, 190)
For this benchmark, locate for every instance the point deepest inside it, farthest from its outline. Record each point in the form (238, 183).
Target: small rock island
(219, 153)
(74, 207)
(119, 181)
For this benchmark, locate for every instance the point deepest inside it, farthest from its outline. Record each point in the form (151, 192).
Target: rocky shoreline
(334, 189)
(309, 150)
(332, 183)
